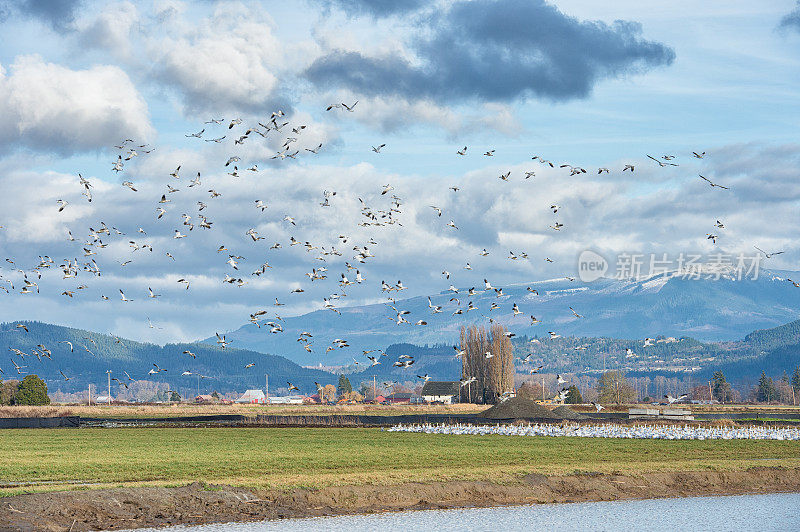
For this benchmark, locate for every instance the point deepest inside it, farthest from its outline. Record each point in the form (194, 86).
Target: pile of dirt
(518, 408)
(565, 412)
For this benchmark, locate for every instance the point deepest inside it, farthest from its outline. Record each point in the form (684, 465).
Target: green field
(308, 457)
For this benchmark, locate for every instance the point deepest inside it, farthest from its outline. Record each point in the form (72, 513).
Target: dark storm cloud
(59, 14)
(375, 8)
(792, 20)
(498, 50)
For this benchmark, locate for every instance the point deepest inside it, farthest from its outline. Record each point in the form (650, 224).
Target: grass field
(42, 460)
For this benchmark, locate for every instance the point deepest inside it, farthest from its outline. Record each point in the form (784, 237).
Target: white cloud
(227, 62)
(48, 107)
(601, 212)
(110, 29)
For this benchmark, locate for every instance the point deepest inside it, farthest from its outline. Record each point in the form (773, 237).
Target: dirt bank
(198, 504)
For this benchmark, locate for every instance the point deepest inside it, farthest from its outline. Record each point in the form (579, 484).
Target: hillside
(437, 361)
(224, 369)
(708, 310)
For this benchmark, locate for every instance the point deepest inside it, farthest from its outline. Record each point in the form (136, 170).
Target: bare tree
(489, 358)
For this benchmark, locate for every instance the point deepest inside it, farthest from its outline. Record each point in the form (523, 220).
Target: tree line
(31, 390)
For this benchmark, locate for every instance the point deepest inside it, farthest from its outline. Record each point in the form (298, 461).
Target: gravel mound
(565, 412)
(518, 408)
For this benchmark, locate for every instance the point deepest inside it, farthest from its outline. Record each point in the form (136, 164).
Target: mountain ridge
(708, 310)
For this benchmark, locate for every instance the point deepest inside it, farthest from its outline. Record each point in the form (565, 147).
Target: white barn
(447, 392)
(252, 397)
(287, 400)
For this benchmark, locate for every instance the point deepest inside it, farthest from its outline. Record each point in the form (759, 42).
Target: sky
(574, 82)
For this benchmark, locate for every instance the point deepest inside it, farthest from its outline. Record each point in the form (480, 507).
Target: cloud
(497, 50)
(230, 61)
(110, 29)
(51, 108)
(390, 116)
(671, 214)
(792, 20)
(375, 8)
(58, 14)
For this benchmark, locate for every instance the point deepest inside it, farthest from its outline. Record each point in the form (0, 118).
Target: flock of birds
(350, 255)
(610, 430)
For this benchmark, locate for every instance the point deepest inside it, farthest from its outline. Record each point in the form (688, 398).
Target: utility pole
(109, 386)
(90, 394)
(542, 388)
(198, 385)
(266, 386)
(374, 390)
(711, 394)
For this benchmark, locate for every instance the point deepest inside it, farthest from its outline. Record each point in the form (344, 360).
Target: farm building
(252, 396)
(287, 400)
(204, 398)
(446, 392)
(399, 398)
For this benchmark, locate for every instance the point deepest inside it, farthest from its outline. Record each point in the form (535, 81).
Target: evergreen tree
(344, 386)
(32, 391)
(766, 390)
(721, 388)
(175, 398)
(574, 396)
(796, 379)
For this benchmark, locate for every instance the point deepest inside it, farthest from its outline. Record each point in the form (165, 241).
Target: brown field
(180, 410)
(189, 409)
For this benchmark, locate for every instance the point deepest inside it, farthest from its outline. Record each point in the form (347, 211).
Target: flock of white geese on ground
(610, 430)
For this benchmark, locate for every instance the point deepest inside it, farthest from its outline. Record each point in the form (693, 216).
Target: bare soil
(518, 408)
(127, 508)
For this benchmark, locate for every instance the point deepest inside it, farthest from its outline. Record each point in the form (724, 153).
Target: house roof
(400, 395)
(252, 395)
(441, 388)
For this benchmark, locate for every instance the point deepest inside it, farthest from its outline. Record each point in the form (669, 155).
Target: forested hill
(93, 354)
(766, 339)
(436, 361)
(773, 351)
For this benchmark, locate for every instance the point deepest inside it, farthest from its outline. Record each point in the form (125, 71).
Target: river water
(760, 513)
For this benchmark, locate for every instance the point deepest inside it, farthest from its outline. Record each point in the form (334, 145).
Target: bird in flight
(712, 184)
(662, 164)
(670, 399)
(768, 255)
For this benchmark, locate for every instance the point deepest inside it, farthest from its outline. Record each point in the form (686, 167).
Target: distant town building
(253, 397)
(286, 400)
(203, 398)
(446, 392)
(399, 398)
